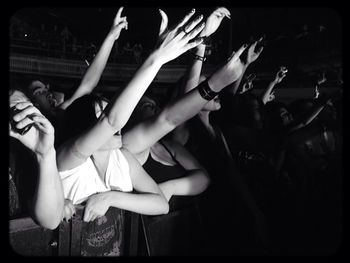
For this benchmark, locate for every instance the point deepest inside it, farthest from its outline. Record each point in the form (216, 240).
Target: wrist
(155, 59)
(200, 50)
(50, 154)
(111, 37)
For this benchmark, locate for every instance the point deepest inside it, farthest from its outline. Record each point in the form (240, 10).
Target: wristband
(206, 92)
(200, 58)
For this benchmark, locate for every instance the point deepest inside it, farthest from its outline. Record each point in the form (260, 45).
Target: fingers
(260, 50)
(185, 19)
(193, 24)
(119, 13)
(222, 11)
(239, 52)
(68, 210)
(164, 23)
(87, 216)
(252, 47)
(195, 43)
(25, 111)
(24, 122)
(194, 32)
(123, 25)
(22, 105)
(43, 124)
(13, 134)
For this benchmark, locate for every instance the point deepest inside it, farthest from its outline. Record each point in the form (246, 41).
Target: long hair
(80, 116)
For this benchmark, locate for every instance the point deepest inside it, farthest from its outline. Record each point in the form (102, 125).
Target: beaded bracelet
(200, 58)
(206, 92)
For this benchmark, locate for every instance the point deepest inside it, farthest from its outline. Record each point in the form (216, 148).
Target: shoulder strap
(171, 154)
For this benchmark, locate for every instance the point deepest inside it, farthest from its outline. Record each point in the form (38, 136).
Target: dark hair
(80, 116)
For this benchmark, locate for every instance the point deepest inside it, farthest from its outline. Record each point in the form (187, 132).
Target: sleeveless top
(161, 173)
(82, 181)
(179, 232)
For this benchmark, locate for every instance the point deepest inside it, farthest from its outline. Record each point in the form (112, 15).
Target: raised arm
(248, 84)
(194, 181)
(212, 23)
(94, 72)
(309, 116)
(266, 95)
(148, 132)
(252, 55)
(47, 203)
(172, 44)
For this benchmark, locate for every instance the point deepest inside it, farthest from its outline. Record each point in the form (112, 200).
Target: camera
(13, 112)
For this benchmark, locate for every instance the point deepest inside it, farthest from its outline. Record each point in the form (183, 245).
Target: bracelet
(200, 58)
(206, 92)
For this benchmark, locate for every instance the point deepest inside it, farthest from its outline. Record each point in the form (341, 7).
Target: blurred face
(43, 96)
(116, 140)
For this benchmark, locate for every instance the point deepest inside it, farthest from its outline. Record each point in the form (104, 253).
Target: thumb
(164, 23)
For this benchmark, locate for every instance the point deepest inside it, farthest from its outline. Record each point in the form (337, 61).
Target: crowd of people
(212, 170)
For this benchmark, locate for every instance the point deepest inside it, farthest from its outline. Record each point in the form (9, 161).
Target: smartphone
(13, 112)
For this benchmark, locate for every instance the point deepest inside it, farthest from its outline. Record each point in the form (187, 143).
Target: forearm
(124, 103)
(184, 108)
(142, 203)
(48, 200)
(233, 88)
(265, 95)
(193, 183)
(94, 72)
(194, 72)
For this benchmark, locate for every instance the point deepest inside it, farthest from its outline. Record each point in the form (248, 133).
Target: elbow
(114, 122)
(204, 181)
(164, 207)
(49, 222)
(49, 218)
(207, 180)
(171, 120)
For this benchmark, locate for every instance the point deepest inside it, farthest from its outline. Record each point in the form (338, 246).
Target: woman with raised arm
(52, 106)
(36, 179)
(93, 165)
(93, 140)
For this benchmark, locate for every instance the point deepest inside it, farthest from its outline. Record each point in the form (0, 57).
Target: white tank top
(82, 181)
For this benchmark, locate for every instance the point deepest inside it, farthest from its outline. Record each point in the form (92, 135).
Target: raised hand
(253, 54)
(40, 137)
(229, 72)
(119, 23)
(281, 74)
(270, 97)
(316, 93)
(172, 43)
(213, 21)
(248, 85)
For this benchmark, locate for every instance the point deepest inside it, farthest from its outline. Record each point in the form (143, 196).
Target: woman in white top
(93, 146)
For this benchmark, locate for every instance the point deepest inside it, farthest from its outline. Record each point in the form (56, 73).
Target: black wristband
(200, 58)
(206, 92)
